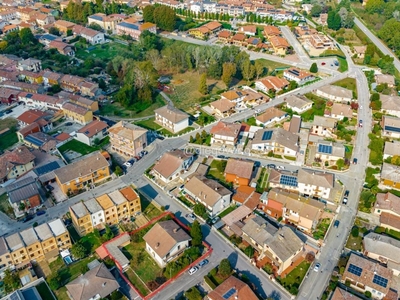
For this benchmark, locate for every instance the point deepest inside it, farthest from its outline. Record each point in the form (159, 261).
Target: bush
(213, 272)
(368, 294)
(209, 282)
(355, 232)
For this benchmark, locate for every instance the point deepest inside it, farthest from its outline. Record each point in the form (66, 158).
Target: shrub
(209, 282)
(355, 231)
(368, 294)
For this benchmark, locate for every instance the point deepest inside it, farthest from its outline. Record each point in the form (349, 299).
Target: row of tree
(163, 16)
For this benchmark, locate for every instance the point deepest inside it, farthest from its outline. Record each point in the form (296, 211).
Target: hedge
(209, 282)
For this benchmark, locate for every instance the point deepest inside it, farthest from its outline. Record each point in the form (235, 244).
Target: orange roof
(248, 28)
(242, 193)
(63, 136)
(271, 30)
(224, 34)
(278, 42)
(146, 26)
(239, 37)
(213, 25)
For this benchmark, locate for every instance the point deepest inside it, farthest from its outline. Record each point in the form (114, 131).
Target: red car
(323, 63)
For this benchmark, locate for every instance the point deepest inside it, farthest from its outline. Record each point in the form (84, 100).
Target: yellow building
(133, 199)
(110, 209)
(47, 241)
(32, 244)
(61, 234)
(127, 138)
(200, 32)
(82, 174)
(17, 249)
(81, 218)
(77, 113)
(121, 204)
(5, 256)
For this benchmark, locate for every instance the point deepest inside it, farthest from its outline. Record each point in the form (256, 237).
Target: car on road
(144, 152)
(69, 124)
(127, 164)
(323, 63)
(345, 197)
(27, 218)
(346, 193)
(40, 212)
(192, 216)
(203, 263)
(280, 167)
(336, 63)
(317, 266)
(336, 224)
(355, 160)
(360, 124)
(161, 138)
(8, 111)
(271, 166)
(193, 270)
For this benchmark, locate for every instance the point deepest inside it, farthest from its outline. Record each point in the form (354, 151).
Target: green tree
(102, 84)
(375, 6)
(316, 10)
(203, 89)
(55, 88)
(193, 294)
(355, 231)
(95, 26)
(249, 251)
(225, 268)
(259, 68)
(198, 208)
(55, 31)
(54, 283)
(11, 281)
(69, 32)
(196, 234)
(191, 139)
(21, 206)
(78, 250)
(248, 70)
(118, 171)
(314, 68)
(228, 71)
(165, 17)
(340, 163)
(27, 36)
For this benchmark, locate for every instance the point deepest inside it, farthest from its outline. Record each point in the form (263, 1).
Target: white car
(316, 267)
(280, 167)
(193, 270)
(127, 164)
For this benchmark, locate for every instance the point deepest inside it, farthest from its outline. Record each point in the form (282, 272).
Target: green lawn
(354, 243)
(348, 83)
(217, 168)
(270, 65)
(91, 242)
(251, 121)
(367, 200)
(343, 66)
(151, 211)
(5, 206)
(317, 109)
(148, 124)
(136, 282)
(262, 181)
(61, 294)
(227, 211)
(8, 139)
(44, 291)
(348, 151)
(293, 280)
(77, 146)
(104, 52)
(204, 119)
(390, 232)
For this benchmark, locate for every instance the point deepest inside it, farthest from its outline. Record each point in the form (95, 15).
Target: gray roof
(117, 197)
(259, 230)
(3, 246)
(280, 136)
(79, 210)
(14, 242)
(43, 231)
(392, 148)
(114, 250)
(22, 189)
(321, 179)
(390, 124)
(323, 121)
(382, 245)
(390, 172)
(29, 236)
(57, 227)
(336, 91)
(20, 183)
(390, 102)
(338, 149)
(285, 243)
(92, 205)
(171, 114)
(297, 102)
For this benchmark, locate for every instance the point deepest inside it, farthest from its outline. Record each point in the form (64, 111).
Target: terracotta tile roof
(213, 25)
(238, 214)
(52, 75)
(389, 220)
(31, 128)
(163, 236)
(18, 156)
(80, 30)
(223, 105)
(270, 114)
(146, 26)
(129, 193)
(63, 23)
(272, 82)
(387, 201)
(271, 30)
(239, 289)
(59, 45)
(224, 34)
(279, 42)
(170, 162)
(93, 128)
(240, 168)
(320, 179)
(248, 28)
(226, 129)
(127, 131)
(302, 74)
(240, 37)
(233, 94)
(63, 136)
(31, 116)
(75, 108)
(7, 93)
(72, 80)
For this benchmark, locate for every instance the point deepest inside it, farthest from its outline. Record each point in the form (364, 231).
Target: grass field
(9, 138)
(217, 168)
(104, 52)
(77, 146)
(343, 66)
(136, 282)
(354, 243)
(293, 280)
(317, 109)
(227, 211)
(271, 65)
(148, 124)
(321, 229)
(348, 83)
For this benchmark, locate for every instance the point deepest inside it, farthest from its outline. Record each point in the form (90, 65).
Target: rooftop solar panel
(392, 128)
(379, 280)
(129, 25)
(47, 168)
(95, 17)
(267, 135)
(325, 149)
(288, 180)
(33, 140)
(354, 270)
(229, 293)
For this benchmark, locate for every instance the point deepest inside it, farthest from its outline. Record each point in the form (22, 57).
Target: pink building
(135, 29)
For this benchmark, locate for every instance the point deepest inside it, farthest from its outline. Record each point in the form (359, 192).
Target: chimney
(176, 230)
(157, 245)
(80, 174)
(104, 284)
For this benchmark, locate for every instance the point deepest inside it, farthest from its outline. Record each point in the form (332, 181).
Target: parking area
(68, 126)
(16, 111)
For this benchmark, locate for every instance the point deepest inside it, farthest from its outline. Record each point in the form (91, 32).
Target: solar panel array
(267, 135)
(391, 128)
(325, 149)
(33, 140)
(355, 270)
(47, 168)
(379, 280)
(288, 180)
(129, 25)
(294, 72)
(229, 293)
(99, 18)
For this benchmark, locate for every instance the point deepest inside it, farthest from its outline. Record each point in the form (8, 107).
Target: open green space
(367, 200)
(376, 145)
(390, 232)
(354, 243)
(204, 119)
(91, 242)
(343, 65)
(149, 124)
(227, 211)
(77, 146)
(5, 206)
(151, 211)
(293, 280)
(321, 229)
(270, 65)
(317, 109)
(137, 283)
(262, 181)
(348, 83)
(217, 168)
(10, 137)
(251, 121)
(104, 52)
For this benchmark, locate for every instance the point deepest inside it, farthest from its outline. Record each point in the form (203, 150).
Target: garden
(293, 280)
(348, 83)
(322, 228)
(8, 138)
(317, 109)
(216, 170)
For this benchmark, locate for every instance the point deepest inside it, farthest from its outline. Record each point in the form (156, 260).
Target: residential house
(171, 118)
(36, 116)
(64, 26)
(25, 13)
(279, 44)
(335, 93)
(47, 242)
(385, 79)
(10, 28)
(271, 84)
(96, 283)
(23, 195)
(121, 204)
(246, 195)
(277, 140)
(31, 77)
(223, 107)
(293, 125)
(22, 86)
(339, 111)
(323, 126)
(270, 116)
(44, 19)
(315, 184)
(8, 96)
(7, 15)
(32, 244)
(92, 133)
(61, 234)
(96, 213)
(390, 105)
(390, 175)
(79, 100)
(387, 203)
(47, 38)
(201, 32)
(248, 30)
(51, 78)
(299, 76)
(253, 98)
(82, 173)
(389, 221)
(341, 294)
(298, 104)
(77, 113)
(172, 164)
(71, 83)
(17, 249)
(235, 96)
(329, 151)
(127, 139)
(81, 218)
(165, 241)
(42, 101)
(133, 199)
(239, 171)
(231, 289)
(321, 41)
(391, 149)
(92, 36)
(390, 126)
(224, 36)
(239, 40)
(113, 248)
(134, 30)
(323, 19)
(9, 74)
(107, 23)
(6, 261)
(270, 31)
(62, 48)
(214, 196)
(384, 249)
(225, 133)
(15, 163)
(110, 209)
(368, 275)
(360, 51)
(29, 64)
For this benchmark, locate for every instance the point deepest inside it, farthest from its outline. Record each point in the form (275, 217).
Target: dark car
(145, 152)
(49, 187)
(271, 166)
(9, 111)
(68, 124)
(257, 164)
(346, 193)
(203, 263)
(355, 161)
(161, 138)
(27, 218)
(336, 224)
(221, 156)
(40, 212)
(336, 63)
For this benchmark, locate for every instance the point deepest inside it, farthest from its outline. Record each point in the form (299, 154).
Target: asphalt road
(385, 50)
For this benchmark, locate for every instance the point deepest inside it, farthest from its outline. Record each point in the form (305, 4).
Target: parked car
(27, 218)
(193, 270)
(360, 123)
(69, 124)
(346, 193)
(323, 63)
(280, 167)
(40, 212)
(203, 263)
(271, 166)
(127, 164)
(8, 111)
(137, 158)
(192, 216)
(145, 152)
(49, 187)
(336, 63)
(355, 160)
(336, 224)
(221, 156)
(316, 267)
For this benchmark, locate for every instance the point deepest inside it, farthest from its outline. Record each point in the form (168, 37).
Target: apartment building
(90, 35)
(95, 130)
(335, 93)
(134, 30)
(127, 138)
(107, 23)
(17, 249)
(121, 204)
(171, 118)
(133, 200)
(315, 184)
(77, 113)
(110, 209)
(6, 261)
(61, 234)
(32, 244)
(47, 241)
(81, 218)
(96, 213)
